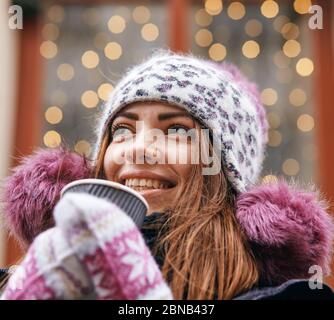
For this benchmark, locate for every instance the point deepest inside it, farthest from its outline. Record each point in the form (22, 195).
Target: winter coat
(92, 249)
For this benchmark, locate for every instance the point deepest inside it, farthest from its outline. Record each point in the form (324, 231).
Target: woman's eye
(118, 132)
(178, 129)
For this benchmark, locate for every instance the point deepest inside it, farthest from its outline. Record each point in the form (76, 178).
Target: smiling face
(154, 176)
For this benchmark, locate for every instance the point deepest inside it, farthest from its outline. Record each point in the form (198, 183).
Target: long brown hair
(206, 255)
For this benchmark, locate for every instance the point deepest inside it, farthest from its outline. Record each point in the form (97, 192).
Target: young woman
(189, 135)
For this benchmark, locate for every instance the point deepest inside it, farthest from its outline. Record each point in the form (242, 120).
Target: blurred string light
(141, 14)
(290, 167)
(279, 22)
(274, 120)
(281, 60)
(53, 115)
(291, 48)
(236, 10)
(100, 40)
(203, 37)
(48, 49)
(104, 91)
(253, 28)
(202, 18)
(83, 147)
(124, 12)
(89, 99)
(217, 52)
(116, 24)
(269, 178)
(56, 13)
(269, 9)
(150, 32)
(269, 96)
(302, 6)
(297, 97)
(113, 50)
(304, 67)
(90, 59)
(274, 138)
(50, 32)
(305, 123)
(251, 49)
(52, 139)
(65, 72)
(213, 7)
(290, 31)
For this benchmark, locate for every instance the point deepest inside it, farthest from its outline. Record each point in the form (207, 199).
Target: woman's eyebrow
(161, 117)
(169, 115)
(128, 115)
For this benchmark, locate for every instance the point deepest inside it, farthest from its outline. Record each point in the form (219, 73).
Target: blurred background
(58, 70)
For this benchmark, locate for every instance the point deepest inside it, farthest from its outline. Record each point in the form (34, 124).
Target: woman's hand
(95, 251)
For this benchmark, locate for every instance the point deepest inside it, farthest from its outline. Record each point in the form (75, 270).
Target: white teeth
(156, 184)
(142, 184)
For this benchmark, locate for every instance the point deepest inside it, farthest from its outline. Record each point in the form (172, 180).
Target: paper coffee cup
(130, 201)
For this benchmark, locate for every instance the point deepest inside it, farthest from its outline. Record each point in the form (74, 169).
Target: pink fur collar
(287, 228)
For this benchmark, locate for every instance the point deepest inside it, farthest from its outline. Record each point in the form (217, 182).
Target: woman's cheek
(113, 160)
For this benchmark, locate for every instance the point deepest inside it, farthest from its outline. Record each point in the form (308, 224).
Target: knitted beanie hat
(217, 95)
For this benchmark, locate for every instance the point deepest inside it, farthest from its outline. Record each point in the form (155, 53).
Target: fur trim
(33, 189)
(289, 230)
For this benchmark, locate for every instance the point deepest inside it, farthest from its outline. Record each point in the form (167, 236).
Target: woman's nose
(146, 147)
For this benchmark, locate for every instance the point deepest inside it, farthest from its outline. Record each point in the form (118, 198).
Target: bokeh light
(56, 13)
(274, 120)
(116, 24)
(297, 97)
(150, 32)
(305, 123)
(251, 49)
(269, 96)
(290, 167)
(50, 32)
(89, 99)
(90, 59)
(104, 91)
(203, 37)
(236, 10)
(141, 14)
(269, 8)
(83, 147)
(52, 139)
(217, 52)
(113, 50)
(253, 28)
(48, 49)
(304, 67)
(291, 48)
(302, 6)
(213, 7)
(65, 72)
(275, 138)
(202, 18)
(53, 115)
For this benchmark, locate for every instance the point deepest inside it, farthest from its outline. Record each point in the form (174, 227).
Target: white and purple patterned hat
(217, 95)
